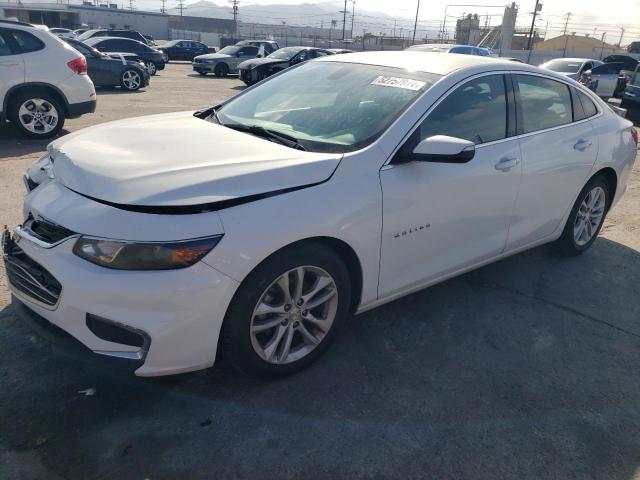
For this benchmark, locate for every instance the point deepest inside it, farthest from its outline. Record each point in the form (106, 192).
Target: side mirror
(442, 149)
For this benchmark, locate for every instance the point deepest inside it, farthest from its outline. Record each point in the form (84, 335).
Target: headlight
(210, 61)
(124, 255)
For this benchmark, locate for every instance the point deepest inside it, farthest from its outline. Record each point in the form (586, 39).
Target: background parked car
(225, 61)
(43, 81)
(106, 71)
(338, 51)
(256, 69)
(153, 58)
(571, 67)
(185, 49)
(631, 94)
(132, 34)
(446, 48)
(266, 47)
(62, 32)
(606, 80)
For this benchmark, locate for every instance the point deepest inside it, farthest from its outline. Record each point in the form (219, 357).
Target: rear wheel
(221, 70)
(586, 217)
(131, 80)
(37, 115)
(287, 311)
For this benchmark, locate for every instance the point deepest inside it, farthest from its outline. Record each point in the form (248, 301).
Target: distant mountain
(304, 14)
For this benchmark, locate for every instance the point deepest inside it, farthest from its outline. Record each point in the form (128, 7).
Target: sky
(594, 17)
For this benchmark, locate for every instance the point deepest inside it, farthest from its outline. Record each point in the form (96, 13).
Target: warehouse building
(108, 15)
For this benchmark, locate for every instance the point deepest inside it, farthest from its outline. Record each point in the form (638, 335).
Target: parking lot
(527, 368)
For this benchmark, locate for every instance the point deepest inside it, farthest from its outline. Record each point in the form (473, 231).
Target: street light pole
(344, 19)
(415, 25)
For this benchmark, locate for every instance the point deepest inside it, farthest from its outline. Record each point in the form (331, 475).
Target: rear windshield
(567, 66)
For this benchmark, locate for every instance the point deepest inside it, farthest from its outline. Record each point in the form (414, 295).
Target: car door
(182, 51)
(439, 218)
(245, 53)
(558, 153)
(604, 79)
(11, 66)
(198, 48)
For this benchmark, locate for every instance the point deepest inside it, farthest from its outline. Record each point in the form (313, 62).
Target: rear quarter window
(545, 103)
(26, 42)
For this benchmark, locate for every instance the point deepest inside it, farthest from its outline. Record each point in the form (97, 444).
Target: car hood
(177, 159)
(256, 62)
(213, 56)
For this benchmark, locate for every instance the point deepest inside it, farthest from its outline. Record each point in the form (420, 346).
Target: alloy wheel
(38, 116)
(131, 80)
(151, 68)
(294, 314)
(589, 216)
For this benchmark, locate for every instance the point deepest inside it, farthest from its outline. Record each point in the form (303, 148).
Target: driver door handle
(506, 164)
(582, 145)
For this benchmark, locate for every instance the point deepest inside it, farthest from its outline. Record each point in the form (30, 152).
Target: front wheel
(287, 311)
(152, 68)
(221, 70)
(586, 217)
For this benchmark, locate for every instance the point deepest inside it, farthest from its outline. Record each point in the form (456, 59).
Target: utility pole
(566, 23)
(533, 24)
(621, 35)
(181, 6)
(234, 5)
(131, 3)
(395, 22)
(163, 10)
(415, 25)
(353, 13)
(604, 34)
(344, 20)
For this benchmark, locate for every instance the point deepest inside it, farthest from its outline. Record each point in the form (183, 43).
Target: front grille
(46, 230)
(28, 276)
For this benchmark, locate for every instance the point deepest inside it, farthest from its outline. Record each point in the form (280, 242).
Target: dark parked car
(338, 51)
(256, 69)
(132, 34)
(631, 94)
(106, 71)
(185, 49)
(266, 47)
(153, 58)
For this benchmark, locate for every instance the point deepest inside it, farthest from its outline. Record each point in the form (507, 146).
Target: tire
(46, 105)
(247, 349)
(131, 80)
(573, 243)
(152, 68)
(221, 70)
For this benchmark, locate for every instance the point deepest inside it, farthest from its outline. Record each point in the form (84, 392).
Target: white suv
(43, 80)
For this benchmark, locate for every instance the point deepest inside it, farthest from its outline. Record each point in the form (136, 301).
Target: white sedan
(338, 185)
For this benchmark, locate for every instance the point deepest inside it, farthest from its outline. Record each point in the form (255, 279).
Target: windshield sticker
(406, 83)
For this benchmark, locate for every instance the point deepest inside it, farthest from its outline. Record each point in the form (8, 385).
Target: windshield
(329, 106)
(284, 53)
(568, 66)
(86, 35)
(230, 50)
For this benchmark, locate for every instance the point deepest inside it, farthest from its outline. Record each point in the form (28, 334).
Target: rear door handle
(506, 164)
(582, 145)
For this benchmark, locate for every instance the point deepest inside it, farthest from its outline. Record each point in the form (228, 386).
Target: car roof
(429, 62)
(574, 60)
(102, 39)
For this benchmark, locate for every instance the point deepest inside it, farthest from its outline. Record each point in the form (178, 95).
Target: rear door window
(544, 103)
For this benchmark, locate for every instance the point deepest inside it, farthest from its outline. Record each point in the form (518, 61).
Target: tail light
(78, 65)
(634, 134)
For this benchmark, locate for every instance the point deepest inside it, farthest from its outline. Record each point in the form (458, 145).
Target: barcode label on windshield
(406, 83)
